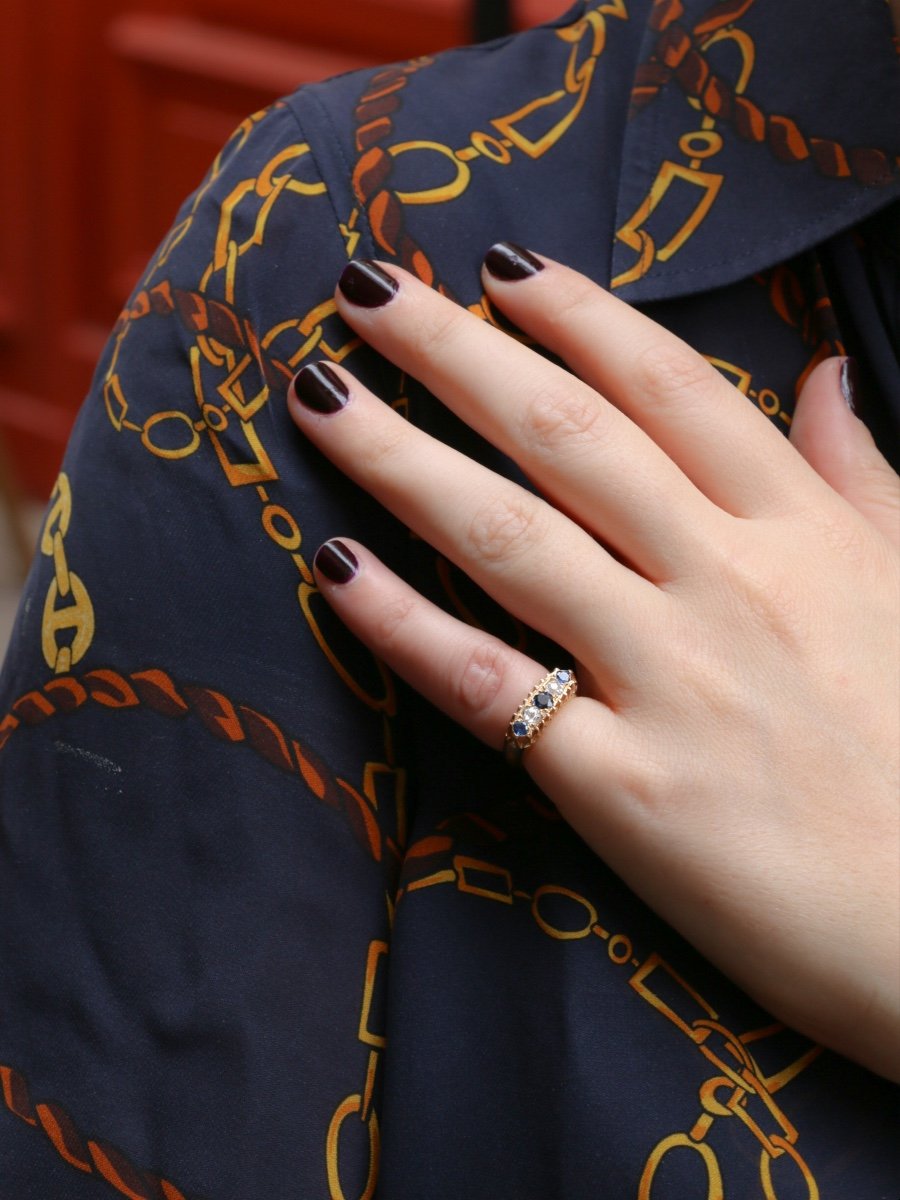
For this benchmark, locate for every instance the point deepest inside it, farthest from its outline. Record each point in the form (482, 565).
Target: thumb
(839, 447)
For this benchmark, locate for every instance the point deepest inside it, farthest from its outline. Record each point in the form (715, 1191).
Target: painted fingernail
(364, 283)
(850, 385)
(336, 561)
(507, 261)
(320, 388)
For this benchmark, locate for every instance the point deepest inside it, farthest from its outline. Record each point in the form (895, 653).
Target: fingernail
(320, 388)
(364, 283)
(850, 385)
(336, 561)
(506, 260)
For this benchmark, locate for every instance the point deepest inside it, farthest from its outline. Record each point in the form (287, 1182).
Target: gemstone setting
(536, 710)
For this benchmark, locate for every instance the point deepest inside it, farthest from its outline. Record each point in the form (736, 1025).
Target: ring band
(536, 711)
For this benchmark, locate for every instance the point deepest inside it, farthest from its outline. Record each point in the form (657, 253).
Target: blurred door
(116, 108)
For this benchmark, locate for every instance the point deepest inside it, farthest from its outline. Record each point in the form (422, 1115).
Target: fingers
(468, 674)
(840, 448)
(685, 406)
(534, 561)
(579, 450)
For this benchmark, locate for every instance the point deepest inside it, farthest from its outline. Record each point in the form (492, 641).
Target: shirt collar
(757, 130)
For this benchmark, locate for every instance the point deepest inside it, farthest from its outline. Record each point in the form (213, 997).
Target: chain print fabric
(269, 925)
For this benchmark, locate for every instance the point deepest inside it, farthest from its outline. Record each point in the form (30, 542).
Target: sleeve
(191, 750)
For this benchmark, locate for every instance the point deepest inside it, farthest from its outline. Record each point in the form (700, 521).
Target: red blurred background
(113, 109)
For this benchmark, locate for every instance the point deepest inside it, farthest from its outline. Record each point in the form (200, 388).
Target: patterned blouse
(271, 926)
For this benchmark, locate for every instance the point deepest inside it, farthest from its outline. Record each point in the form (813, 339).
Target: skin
(734, 749)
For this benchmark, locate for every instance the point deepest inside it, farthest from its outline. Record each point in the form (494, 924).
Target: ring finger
(470, 675)
(533, 560)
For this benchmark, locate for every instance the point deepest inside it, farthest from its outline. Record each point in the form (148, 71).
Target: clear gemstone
(531, 714)
(554, 686)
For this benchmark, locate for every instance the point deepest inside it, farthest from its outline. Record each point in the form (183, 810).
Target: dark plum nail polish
(850, 385)
(336, 561)
(508, 261)
(364, 283)
(320, 388)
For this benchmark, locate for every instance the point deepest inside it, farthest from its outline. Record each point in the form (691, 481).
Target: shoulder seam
(310, 96)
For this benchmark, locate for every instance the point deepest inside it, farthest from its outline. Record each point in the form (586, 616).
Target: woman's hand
(733, 749)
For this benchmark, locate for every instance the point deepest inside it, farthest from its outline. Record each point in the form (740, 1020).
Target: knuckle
(875, 495)
(383, 445)
(438, 328)
(574, 294)
(505, 530)
(391, 619)
(561, 417)
(857, 543)
(850, 539)
(671, 373)
(648, 782)
(750, 584)
(477, 681)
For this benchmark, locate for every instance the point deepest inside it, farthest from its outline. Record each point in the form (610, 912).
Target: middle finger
(591, 459)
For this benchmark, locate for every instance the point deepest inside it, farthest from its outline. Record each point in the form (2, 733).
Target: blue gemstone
(543, 700)
(563, 676)
(520, 729)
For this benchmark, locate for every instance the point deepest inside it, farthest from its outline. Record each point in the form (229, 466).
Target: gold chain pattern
(77, 613)
(680, 54)
(84, 1154)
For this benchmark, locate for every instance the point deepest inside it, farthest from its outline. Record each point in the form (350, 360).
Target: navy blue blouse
(270, 926)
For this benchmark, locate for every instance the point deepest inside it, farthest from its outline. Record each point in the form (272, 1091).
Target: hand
(733, 749)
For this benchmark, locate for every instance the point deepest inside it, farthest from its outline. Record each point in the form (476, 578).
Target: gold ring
(535, 712)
